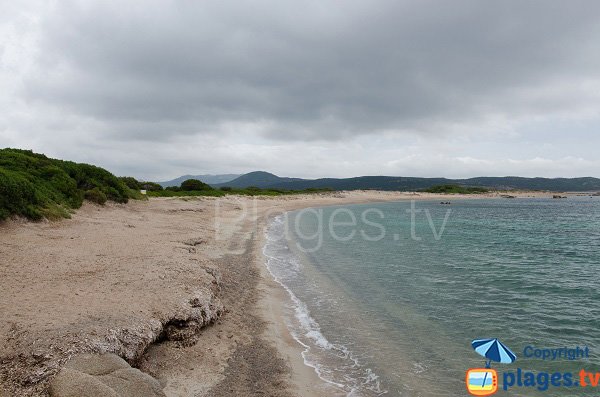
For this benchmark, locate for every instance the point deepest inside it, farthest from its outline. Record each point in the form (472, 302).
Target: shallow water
(389, 306)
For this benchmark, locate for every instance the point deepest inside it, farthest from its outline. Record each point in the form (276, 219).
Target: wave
(334, 363)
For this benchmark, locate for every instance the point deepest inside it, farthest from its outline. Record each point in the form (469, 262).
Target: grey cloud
(158, 89)
(316, 70)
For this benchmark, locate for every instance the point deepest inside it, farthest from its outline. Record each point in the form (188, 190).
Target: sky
(158, 89)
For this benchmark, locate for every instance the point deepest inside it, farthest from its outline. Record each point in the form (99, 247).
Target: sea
(386, 298)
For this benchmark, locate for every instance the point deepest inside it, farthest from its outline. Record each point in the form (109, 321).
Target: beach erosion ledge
(118, 280)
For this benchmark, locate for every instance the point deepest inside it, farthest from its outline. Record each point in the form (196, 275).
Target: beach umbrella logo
(484, 381)
(493, 350)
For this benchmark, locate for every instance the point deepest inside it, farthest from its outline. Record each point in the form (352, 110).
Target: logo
(484, 381)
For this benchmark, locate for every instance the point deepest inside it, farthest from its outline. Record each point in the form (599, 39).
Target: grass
(456, 189)
(35, 186)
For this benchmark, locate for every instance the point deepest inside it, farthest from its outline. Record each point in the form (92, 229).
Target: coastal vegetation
(456, 189)
(35, 186)
(136, 185)
(193, 187)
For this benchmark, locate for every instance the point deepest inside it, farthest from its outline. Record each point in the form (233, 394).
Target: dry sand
(177, 287)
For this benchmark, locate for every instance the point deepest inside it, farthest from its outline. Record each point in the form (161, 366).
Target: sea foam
(334, 363)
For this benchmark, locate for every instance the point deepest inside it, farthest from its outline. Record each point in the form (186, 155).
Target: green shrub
(35, 186)
(150, 186)
(136, 195)
(194, 185)
(456, 189)
(89, 177)
(173, 188)
(131, 182)
(252, 191)
(18, 196)
(55, 212)
(96, 195)
(193, 193)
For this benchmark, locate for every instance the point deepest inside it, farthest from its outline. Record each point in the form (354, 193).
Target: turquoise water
(394, 314)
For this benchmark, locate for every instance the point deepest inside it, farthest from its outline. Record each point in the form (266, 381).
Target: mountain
(260, 179)
(210, 179)
(267, 180)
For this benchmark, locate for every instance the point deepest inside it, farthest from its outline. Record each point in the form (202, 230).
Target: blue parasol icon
(493, 350)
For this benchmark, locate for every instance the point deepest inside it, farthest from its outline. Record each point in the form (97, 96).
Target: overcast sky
(157, 89)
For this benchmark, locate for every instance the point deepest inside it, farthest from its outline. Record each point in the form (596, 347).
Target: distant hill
(209, 179)
(267, 180)
(260, 179)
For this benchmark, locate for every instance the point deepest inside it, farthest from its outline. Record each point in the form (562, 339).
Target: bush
(136, 195)
(253, 191)
(194, 185)
(35, 186)
(456, 189)
(88, 177)
(96, 195)
(131, 182)
(17, 196)
(191, 193)
(151, 186)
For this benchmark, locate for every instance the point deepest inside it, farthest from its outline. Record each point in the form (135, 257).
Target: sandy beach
(177, 287)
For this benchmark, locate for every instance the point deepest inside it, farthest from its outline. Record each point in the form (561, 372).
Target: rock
(193, 242)
(105, 375)
(132, 382)
(94, 364)
(72, 383)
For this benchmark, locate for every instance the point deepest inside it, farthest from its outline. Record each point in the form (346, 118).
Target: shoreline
(304, 377)
(116, 278)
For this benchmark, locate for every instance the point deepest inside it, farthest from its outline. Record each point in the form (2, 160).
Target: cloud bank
(320, 88)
